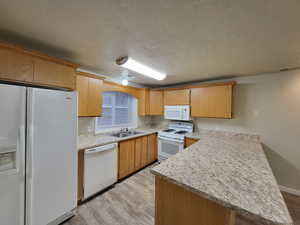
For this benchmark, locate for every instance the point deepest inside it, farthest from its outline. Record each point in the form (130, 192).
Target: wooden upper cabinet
(94, 106)
(177, 97)
(212, 101)
(53, 74)
(15, 66)
(21, 65)
(80, 173)
(143, 102)
(150, 102)
(89, 96)
(82, 86)
(156, 102)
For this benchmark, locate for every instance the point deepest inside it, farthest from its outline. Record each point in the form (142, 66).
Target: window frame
(114, 127)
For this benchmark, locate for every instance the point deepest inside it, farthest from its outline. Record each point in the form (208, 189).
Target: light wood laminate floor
(131, 202)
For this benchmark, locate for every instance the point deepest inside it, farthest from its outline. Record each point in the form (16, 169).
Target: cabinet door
(138, 153)
(15, 66)
(141, 152)
(152, 148)
(144, 153)
(177, 97)
(189, 141)
(54, 74)
(82, 85)
(94, 103)
(80, 181)
(126, 158)
(214, 102)
(143, 102)
(89, 96)
(156, 103)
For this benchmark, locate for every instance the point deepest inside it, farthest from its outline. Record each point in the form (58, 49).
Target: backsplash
(86, 125)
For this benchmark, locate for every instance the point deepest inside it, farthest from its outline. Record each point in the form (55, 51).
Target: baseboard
(289, 190)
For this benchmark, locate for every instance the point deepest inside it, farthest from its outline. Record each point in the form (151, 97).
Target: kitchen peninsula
(221, 174)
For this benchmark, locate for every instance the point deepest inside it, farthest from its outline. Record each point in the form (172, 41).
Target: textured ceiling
(187, 39)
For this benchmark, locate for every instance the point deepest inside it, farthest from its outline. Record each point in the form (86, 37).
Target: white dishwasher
(100, 168)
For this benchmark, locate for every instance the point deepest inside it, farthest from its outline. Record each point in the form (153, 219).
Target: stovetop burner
(181, 132)
(168, 130)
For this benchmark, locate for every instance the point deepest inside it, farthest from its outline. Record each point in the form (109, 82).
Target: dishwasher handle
(101, 148)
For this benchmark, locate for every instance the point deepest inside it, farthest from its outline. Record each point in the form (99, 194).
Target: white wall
(268, 105)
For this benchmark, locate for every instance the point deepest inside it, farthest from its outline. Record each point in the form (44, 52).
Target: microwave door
(172, 114)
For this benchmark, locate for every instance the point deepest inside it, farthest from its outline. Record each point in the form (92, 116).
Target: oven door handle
(169, 139)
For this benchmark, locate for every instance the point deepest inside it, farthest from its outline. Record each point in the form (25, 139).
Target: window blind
(117, 111)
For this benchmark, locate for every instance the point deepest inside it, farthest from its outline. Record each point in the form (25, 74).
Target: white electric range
(171, 140)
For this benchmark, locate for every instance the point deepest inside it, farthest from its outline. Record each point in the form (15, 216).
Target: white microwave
(177, 112)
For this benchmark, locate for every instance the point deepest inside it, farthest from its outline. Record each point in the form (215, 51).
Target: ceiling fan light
(124, 82)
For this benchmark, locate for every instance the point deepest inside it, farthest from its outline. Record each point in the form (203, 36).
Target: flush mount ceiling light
(133, 65)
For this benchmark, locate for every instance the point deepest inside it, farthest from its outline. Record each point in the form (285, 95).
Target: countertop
(91, 141)
(232, 170)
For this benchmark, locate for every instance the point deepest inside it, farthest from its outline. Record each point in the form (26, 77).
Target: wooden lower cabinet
(152, 148)
(175, 205)
(133, 155)
(126, 158)
(141, 152)
(80, 188)
(137, 153)
(189, 141)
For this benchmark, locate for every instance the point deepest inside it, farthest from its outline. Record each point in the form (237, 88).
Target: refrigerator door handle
(29, 152)
(29, 137)
(21, 152)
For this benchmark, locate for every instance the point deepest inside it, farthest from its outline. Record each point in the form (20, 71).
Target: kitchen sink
(125, 134)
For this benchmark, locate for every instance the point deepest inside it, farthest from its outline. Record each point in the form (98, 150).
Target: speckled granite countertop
(91, 141)
(232, 170)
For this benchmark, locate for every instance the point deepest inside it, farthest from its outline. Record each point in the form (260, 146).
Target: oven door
(168, 147)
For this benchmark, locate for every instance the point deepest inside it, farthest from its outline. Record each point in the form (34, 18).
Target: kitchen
(131, 121)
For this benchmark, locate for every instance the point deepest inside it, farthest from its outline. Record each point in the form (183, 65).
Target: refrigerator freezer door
(52, 155)
(12, 154)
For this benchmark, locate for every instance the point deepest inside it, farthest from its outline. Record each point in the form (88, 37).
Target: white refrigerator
(38, 155)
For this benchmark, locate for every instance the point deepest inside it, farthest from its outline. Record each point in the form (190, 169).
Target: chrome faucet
(124, 130)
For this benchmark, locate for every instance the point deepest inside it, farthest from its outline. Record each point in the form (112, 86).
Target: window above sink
(119, 110)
